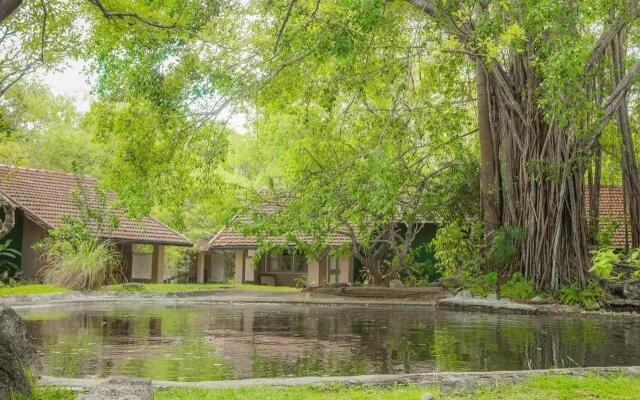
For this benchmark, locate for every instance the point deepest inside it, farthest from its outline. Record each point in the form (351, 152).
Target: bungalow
(284, 267)
(41, 200)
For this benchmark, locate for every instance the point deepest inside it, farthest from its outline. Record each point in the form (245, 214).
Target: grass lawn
(540, 388)
(193, 287)
(25, 290)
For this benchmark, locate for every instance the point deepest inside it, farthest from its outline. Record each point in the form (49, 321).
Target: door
(333, 270)
(249, 271)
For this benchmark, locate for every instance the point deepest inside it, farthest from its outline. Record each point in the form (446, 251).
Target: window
(287, 261)
(299, 262)
(275, 264)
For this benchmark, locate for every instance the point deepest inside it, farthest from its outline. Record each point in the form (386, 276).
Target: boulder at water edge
(631, 290)
(395, 284)
(18, 357)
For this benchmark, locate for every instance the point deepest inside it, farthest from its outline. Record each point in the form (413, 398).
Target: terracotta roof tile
(228, 238)
(46, 197)
(612, 207)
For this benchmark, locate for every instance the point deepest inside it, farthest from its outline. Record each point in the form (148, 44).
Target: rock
(121, 388)
(492, 297)
(631, 290)
(395, 284)
(464, 294)
(16, 353)
(592, 307)
(427, 396)
(537, 299)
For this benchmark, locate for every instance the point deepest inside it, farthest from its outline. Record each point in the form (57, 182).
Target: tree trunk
(595, 181)
(540, 176)
(8, 217)
(630, 174)
(489, 184)
(8, 7)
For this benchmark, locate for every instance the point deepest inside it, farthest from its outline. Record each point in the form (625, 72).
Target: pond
(196, 341)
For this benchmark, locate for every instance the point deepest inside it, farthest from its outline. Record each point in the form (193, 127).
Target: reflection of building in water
(208, 342)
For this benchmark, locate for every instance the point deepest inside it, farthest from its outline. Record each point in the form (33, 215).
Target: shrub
(504, 246)
(458, 250)
(573, 294)
(518, 287)
(79, 264)
(78, 254)
(605, 259)
(9, 269)
(483, 285)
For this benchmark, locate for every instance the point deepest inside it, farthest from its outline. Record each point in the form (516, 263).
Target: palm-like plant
(9, 268)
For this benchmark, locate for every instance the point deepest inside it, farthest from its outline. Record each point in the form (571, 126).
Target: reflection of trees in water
(208, 342)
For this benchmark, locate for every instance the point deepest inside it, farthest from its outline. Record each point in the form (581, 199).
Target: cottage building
(43, 198)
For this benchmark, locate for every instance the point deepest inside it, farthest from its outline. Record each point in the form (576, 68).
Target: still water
(198, 341)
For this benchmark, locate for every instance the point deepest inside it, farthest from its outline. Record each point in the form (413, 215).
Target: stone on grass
(121, 388)
(427, 396)
(395, 284)
(18, 357)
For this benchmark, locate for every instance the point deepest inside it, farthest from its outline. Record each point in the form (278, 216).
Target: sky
(73, 81)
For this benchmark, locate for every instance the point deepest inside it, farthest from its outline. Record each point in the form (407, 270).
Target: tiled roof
(228, 238)
(612, 208)
(46, 197)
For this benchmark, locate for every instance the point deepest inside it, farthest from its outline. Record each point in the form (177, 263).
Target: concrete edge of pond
(211, 296)
(506, 306)
(451, 380)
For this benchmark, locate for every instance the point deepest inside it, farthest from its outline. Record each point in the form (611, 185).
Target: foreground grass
(25, 290)
(193, 287)
(49, 393)
(541, 388)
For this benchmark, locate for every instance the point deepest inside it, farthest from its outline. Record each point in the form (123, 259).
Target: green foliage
(79, 264)
(458, 250)
(575, 295)
(603, 261)
(607, 228)
(9, 268)
(78, 254)
(518, 287)
(483, 285)
(504, 246)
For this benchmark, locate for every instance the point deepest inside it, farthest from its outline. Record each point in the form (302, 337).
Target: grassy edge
(40, 289)
(194, 287)
(31, 289)
(543, 387)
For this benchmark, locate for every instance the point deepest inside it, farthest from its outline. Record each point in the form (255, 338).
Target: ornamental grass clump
(78, 254)
(80, 265)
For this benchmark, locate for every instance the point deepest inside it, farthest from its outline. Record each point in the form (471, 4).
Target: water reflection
(214, 342)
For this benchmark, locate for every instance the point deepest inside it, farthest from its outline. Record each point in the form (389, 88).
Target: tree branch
(125, 14)
(283, 25)
(425, 5)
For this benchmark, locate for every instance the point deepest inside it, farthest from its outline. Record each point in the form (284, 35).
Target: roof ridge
(49, 171)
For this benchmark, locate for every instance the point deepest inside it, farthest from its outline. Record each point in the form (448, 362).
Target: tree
(541, 81)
